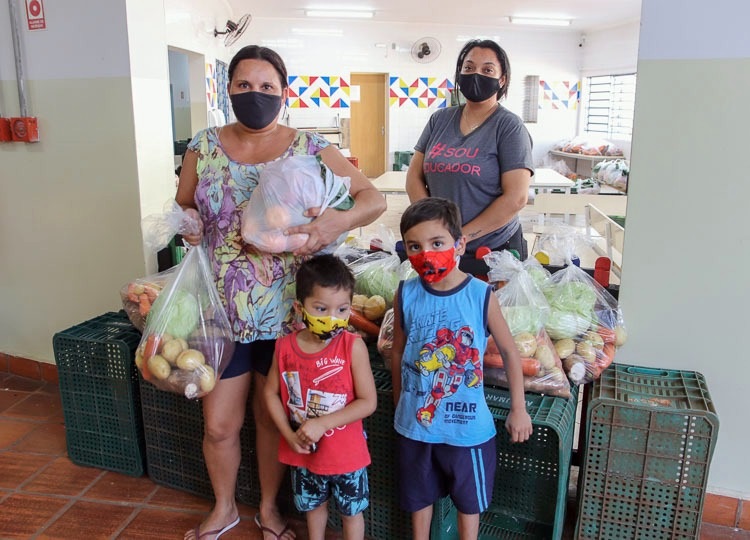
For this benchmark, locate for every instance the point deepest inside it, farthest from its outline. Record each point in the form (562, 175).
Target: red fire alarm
(5, 135)
(24, 129)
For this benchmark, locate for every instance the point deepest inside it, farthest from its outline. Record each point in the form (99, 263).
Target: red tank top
(314, 385)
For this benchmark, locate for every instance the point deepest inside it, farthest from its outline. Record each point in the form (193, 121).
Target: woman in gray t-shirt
(478, 154)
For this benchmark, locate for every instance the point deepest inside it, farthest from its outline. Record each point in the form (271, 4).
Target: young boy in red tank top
(320, 387)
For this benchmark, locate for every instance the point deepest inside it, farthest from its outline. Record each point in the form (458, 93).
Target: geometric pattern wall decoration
(211, 93)
(559, 94)
(222, 78)
(318, 91)
(422, 92)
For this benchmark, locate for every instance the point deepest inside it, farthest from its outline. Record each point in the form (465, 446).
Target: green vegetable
(375, 280)
(566, 324)
(180, 310)
(524, 319)
(573, 296)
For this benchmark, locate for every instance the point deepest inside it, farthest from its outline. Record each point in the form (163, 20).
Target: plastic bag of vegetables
(526, 311)
(187, 341)
(385, 339)
(286, 189)
(139, 295)
(378, 273)
(585, 322)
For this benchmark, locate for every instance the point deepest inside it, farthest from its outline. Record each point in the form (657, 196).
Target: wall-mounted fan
(233, 29)
(425, 50)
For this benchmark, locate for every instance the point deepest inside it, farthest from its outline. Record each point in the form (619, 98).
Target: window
(609, 104)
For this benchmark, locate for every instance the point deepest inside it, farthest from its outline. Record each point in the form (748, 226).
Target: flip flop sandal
(216, 532)
(268, 530)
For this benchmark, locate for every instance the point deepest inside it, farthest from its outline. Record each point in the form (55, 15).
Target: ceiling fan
(233, 29)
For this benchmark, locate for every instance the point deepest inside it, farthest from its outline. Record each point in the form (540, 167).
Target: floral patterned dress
(257, 288)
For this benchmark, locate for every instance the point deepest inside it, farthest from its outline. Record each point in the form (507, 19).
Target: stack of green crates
(531, 479)
(650, 435)
(100, 393)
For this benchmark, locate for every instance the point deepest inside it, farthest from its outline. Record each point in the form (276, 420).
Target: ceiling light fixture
(340, 13)
(538, 21)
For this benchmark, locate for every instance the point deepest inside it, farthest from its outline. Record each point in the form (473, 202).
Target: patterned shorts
(350, 491)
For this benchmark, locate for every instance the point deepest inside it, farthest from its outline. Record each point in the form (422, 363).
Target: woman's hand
(195, 238)
(322, 230)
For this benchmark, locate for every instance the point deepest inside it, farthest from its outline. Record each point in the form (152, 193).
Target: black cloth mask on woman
(476, 87)
(255, 110)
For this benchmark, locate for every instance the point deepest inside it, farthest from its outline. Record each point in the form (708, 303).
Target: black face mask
(476, 87)
(255, 110)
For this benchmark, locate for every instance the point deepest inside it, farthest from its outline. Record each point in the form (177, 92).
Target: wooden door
(368, 122)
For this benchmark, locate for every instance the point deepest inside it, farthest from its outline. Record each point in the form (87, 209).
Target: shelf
(583, 156)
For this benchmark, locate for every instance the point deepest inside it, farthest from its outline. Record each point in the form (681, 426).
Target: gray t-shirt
(466, 168)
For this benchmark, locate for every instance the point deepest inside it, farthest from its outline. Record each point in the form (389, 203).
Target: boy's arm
(364, 403)
(397, 351)
(518, 422)
(272, 395)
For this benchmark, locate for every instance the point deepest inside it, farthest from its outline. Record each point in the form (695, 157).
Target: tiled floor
(44, 495)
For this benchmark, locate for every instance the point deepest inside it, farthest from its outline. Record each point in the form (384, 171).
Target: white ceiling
(586, 15)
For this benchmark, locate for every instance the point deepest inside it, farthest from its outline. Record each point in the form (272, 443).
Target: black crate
(99, 391)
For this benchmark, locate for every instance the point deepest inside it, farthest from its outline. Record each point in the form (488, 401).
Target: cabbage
(375, 280)
(566, 324)
(180, 310)
(522, 319)
(538, 276)
(573, 296)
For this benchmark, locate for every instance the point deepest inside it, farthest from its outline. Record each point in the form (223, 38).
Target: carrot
(608, 335)
(606, 356)
(360, 322)
(530, 367)
(152, 346)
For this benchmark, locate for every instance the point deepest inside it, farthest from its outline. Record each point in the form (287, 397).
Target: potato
(139, 359)
(595, 339)
(358, 302)
(621, 336)
(526, 344)
(206, 378)
(190, 359)
(575, 366)
(586, 351)
(565, 347)
(159, 367)
(374, 307)
(172, 349)
(545, 357)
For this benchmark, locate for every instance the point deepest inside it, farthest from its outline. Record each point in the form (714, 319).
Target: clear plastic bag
(378, 273)
(187, 341)
(525, 309)
(385, 339)
(140, 294)
(159, 229)
(286, 189)
(585, 321)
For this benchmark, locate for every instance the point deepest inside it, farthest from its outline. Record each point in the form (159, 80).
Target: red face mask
(432, 266)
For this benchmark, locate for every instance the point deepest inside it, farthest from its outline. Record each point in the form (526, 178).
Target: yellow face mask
(324, 327)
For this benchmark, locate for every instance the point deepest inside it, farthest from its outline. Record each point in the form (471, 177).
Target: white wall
(687, 248)
(552, 54)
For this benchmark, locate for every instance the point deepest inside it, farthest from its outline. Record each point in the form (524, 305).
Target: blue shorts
(466, 473)
(253, 356)
(350, 491)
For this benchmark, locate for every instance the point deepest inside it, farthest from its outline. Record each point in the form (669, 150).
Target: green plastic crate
(650, 437)
(100, 394)
(173, 427)
(531, 479)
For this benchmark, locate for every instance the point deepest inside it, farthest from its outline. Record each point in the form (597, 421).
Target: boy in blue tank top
(442, 320)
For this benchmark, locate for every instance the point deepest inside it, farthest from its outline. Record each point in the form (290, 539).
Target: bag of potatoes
(187, 341)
